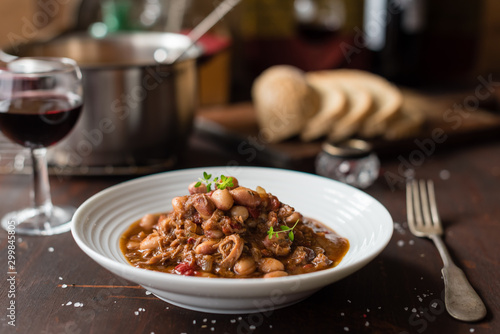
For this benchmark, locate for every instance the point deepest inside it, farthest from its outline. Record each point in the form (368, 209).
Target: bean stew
(231, 232)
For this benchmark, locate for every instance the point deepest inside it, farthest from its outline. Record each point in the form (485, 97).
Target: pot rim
(193, 51)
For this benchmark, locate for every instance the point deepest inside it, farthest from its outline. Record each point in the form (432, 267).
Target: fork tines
(423, 218)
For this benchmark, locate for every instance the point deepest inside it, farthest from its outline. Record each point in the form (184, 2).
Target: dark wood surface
(59, 289)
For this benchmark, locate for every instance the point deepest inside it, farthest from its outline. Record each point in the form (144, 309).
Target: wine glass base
(33, 222)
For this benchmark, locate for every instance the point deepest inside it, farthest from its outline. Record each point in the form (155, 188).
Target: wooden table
(59, 289)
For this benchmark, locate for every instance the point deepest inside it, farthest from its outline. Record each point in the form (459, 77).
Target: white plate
(100, 221)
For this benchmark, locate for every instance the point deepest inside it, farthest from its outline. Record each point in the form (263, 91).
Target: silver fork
(462, 302)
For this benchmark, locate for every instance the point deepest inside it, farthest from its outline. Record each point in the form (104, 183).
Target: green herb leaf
(284, 229)
(221, 182)
(270, 232)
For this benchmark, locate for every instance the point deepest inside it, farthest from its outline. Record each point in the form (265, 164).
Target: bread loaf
(283, 101)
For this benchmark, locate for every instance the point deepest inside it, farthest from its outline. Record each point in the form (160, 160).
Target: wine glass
(40, 102)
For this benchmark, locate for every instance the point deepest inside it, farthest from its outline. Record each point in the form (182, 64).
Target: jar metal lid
(351, 148)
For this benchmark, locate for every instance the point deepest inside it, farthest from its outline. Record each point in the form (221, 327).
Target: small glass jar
(351, 161)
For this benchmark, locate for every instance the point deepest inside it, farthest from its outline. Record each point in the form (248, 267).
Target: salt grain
(60, 278)
(194, 322)
(64, 286)
(136, 313)
(444, 174)
(367, 324)
(148, 293)
(472, 330)
(212, 329)
(414, 310)
(205, 320)
(69, 303)
(50, 249)
(252, 327)
(399, 228)
(346, 329)
(401, 243)
(406, 308)
(232, 321)
(214, 321)
(342, 313)
(411, 242)
(78, 304)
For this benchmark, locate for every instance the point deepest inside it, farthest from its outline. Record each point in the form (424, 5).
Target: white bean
(206, 247)
(147, 222)
(222, 199)
(201, 189)
(239, 211)
(245, 266)
(151, 242)
(268, 264)
(278, 273)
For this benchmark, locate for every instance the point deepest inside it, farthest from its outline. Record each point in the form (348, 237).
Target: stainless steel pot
(136, 112)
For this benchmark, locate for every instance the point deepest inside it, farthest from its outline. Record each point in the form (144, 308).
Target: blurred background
(427, 43)
(430, 46)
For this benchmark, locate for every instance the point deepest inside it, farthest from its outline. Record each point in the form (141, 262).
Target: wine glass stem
(41, 191)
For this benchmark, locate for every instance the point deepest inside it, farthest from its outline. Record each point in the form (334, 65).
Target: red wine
(38, 121)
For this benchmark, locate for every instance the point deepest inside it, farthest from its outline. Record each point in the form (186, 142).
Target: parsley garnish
(220, 183)
(284, 229)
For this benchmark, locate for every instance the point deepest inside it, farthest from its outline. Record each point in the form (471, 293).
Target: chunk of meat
(230, 248)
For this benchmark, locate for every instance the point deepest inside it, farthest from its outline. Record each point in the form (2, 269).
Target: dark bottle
(394, 33)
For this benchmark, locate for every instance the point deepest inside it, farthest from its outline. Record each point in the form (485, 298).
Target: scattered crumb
(414, 310)
(406, 308)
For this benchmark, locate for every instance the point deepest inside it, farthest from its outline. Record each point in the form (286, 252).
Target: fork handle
(460, 298)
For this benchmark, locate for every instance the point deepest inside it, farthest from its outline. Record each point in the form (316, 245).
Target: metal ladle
(164, 57)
